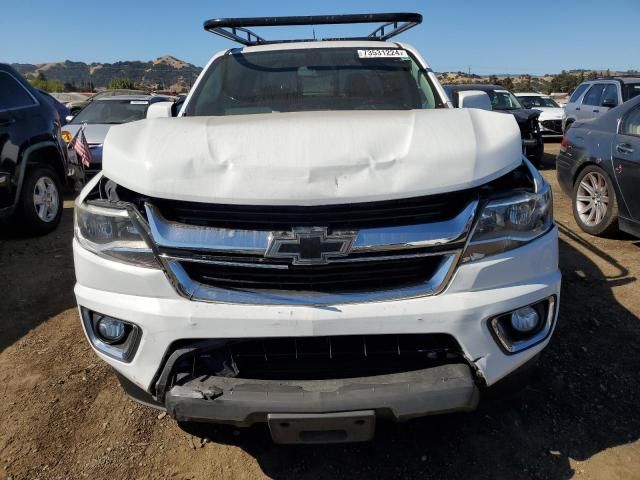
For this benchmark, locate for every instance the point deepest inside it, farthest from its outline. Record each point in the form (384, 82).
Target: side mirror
(609, 102)
(159, 110)
(68, 118)
(474, 99)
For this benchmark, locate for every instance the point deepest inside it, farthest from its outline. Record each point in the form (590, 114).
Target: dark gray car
(599, 166)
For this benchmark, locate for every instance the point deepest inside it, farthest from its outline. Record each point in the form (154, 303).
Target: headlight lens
(510, 222)
(110, 232)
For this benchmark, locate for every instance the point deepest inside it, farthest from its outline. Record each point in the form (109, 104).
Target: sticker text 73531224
(382, 53)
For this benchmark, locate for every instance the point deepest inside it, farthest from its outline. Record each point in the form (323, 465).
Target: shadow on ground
(582, 401)
(36, 278)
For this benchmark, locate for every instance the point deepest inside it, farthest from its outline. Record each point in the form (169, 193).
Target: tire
(595, 206)
(41, 203)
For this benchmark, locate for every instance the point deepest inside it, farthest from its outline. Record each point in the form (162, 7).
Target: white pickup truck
(317, 240)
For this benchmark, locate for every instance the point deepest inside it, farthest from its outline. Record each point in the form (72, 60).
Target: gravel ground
(64, 416)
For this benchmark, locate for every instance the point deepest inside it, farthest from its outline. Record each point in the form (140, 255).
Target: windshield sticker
(502, 91)
(382, 53)
(139, 102)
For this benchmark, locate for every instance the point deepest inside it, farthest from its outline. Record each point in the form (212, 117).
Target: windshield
(112, 111)
(503, 100)
(313, 79)
(536, 101)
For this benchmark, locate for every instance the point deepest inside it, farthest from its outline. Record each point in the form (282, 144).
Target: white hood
(312, 158)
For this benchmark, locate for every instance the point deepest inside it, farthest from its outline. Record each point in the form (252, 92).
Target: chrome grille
(553, 125)
(219, 264)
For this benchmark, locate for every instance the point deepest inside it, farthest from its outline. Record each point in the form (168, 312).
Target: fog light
(525, 327)
(111, 330)
(525, 319)
(115, 338)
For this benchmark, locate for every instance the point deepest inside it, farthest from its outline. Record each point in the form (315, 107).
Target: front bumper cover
(400, 396)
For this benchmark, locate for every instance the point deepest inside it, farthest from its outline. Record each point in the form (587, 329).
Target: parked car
(72, 100)
(317, 241)
(505, 102)
(550, 120)
(33, 162)
(599, 167)
(101, 114)
(63, 111)
(593, 98)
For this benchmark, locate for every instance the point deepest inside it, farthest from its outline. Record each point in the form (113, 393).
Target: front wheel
(595, 206)
(41, 201)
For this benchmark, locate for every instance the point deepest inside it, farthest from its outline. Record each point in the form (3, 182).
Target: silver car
(593, 98)
(100, 114)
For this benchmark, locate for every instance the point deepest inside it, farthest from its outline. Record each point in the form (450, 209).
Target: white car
(316, 241)
(552, 114)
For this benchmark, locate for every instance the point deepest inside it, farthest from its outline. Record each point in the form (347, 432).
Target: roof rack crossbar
(232, 34)
(230, 28)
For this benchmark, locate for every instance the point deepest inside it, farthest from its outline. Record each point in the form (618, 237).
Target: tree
(506, 82)
(47, 85)
(121, 84)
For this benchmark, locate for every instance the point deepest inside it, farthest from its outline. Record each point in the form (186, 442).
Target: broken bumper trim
(400, 396)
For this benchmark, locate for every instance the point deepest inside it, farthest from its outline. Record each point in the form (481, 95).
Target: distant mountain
(163, 73)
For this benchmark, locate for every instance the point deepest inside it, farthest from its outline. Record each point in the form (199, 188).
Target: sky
(485, 36)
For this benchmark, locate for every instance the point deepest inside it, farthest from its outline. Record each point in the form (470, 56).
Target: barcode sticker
(382, 53)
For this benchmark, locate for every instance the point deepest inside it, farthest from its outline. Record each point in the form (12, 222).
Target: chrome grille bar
(175, 235)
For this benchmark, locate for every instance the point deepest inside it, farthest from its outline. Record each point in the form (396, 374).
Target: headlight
(510, 222)
(111, 233)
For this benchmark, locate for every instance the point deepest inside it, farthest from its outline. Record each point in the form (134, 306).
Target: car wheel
(41, 201)
(595, 206)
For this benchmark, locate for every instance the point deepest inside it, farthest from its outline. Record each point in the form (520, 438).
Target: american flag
(80, 145)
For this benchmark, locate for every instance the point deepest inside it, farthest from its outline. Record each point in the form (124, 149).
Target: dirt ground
(63, 415)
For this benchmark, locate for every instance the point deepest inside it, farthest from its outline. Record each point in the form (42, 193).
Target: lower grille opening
(335, 277)
(554, 125)
(318, 358)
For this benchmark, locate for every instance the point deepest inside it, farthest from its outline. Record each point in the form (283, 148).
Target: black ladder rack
(237, 29)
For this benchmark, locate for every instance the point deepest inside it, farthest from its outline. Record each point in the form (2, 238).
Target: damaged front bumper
(399, 396)
(478, 291)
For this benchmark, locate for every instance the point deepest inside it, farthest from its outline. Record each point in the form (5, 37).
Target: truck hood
(312, 158)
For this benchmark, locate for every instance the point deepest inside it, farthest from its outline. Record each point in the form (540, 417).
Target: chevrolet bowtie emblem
(309, 246)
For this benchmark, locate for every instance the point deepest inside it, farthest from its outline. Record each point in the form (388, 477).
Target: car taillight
(564, 143)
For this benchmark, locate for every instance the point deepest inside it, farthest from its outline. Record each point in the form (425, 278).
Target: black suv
(504, 101)
(33, 157)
